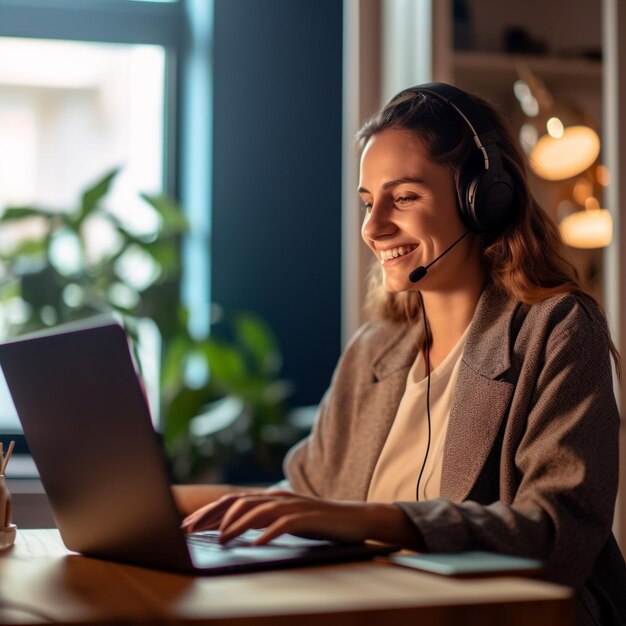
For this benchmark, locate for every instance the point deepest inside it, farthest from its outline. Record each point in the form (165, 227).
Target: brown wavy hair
(526, 258)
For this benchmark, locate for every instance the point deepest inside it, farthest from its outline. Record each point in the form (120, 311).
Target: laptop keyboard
(209, 540)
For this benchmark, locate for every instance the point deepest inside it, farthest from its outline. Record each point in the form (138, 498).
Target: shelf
(492, 75)
(545, 66)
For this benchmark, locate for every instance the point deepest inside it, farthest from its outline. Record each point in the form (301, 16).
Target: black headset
(486, 197)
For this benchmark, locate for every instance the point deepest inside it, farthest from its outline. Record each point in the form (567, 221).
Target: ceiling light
(591, 228)
(558, 139)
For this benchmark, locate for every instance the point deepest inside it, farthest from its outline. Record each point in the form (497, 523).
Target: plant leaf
(257, 338)
(172, 364)
(165, 253)
(182, 408)
(28, 247)
(172, 214)
(43, 287)
(226, 364)
(13, 214)
(94, 194)
(217, 416)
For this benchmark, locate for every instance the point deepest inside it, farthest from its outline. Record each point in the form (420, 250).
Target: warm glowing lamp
(564, 152)
(591, 228)
(559, 143)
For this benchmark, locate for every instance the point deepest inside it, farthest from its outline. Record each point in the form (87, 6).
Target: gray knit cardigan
(530, 462)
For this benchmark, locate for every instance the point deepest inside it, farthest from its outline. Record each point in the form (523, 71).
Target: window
(85, 86)
(70, 111)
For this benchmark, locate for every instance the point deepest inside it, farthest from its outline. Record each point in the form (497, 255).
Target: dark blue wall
(277, 176)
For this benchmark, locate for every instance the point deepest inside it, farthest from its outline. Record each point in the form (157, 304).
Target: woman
(475, 410)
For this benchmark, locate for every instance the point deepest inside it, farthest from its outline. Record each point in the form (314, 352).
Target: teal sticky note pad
(468, 563)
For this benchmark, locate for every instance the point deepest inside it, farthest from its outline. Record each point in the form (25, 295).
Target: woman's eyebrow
(393, 183)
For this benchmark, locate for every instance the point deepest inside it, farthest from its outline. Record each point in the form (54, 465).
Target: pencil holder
(7, 530)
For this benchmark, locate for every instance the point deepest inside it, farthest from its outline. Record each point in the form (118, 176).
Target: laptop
(88, 426)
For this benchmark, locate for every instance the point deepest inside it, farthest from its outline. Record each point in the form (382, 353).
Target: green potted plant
(231, 425)
(52, 274)
(222, 395)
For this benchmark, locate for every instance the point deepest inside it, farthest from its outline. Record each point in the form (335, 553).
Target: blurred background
(190, 165)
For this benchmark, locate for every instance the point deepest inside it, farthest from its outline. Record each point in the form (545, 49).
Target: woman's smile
(394, 256)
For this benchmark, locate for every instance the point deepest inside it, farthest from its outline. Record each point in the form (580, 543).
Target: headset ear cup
(467, 188)
(487, 201)
(496, 201)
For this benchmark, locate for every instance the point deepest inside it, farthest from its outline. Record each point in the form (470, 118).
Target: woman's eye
(404, 200)
(366, 206)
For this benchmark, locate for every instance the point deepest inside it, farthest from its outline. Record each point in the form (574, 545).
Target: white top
(398, 467)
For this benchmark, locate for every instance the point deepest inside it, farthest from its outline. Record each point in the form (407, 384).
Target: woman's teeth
(394, 253)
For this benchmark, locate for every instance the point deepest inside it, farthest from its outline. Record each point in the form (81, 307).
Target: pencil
(5, 462)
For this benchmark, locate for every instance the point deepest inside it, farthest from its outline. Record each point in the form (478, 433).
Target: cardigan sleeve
(566, 463)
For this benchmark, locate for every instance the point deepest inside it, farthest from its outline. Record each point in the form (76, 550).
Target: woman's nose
(377, 223)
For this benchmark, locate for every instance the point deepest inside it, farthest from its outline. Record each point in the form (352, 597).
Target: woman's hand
(280, 512)
(189, 498)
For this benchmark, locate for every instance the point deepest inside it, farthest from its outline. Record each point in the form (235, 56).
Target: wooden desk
(41, 581)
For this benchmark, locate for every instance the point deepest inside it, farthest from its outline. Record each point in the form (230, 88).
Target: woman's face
(411, 213)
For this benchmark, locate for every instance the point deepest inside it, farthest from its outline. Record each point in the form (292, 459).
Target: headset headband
(486, 197)
(484, 134)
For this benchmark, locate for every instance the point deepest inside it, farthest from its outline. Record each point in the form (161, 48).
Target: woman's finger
(332, 522)
(240, 508)
(209, 517)
(260, 516)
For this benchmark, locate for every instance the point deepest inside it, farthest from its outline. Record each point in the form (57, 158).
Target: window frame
(173, 25)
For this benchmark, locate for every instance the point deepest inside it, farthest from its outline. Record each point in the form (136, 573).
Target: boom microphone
(419, 273)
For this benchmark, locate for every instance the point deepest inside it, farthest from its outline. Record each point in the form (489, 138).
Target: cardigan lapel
(478, 407)
(480, 401)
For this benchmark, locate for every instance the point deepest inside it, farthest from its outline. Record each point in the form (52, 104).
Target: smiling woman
(475, 410)
(412, 218)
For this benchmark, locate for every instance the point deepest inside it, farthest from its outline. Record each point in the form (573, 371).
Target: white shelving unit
(487, 69)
